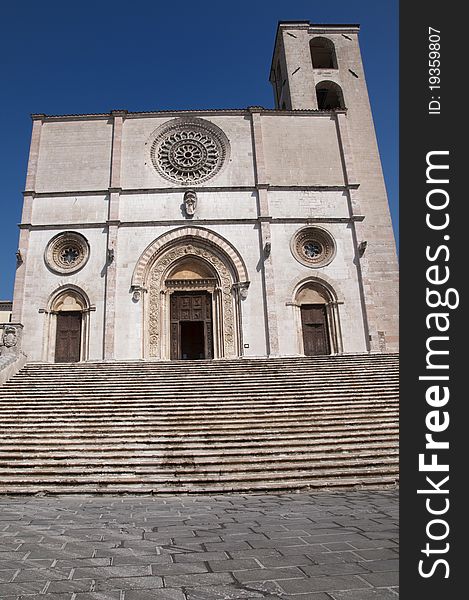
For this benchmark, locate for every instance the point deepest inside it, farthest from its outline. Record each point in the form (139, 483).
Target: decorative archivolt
(157, 286)
(70, 289)
(194, 235)
(328, 286)
(159, 260)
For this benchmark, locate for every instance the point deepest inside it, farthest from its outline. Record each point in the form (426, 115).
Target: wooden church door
(68, 338)
(315, 332)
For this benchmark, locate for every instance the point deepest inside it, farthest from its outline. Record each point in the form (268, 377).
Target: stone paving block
(226, 593)
(293, 560)
(338, 546)
(371, 594)
(43, 574)
(17, 589)
(18, 555)
(199, 556)
(231, 546)
(106, 572)
(94, 535)
(366, 544)
(129, 583)
(143, 559)
(155, 595)
(278, 544)
(74, 585)
(198, 580)
(108, 552)
(81, 562)
(109, 595)
(309, 596)
(384, 579)
(322, 584)
(322, 558)
(255, 553)
(233, 565)
(377, 554)
(376, 566)
(268, 574)
(179, 568)
(349, 568)
(6, 575)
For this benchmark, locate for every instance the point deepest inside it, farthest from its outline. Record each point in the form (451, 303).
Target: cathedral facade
(214, 234)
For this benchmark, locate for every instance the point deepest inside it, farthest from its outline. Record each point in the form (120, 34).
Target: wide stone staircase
(200, 426)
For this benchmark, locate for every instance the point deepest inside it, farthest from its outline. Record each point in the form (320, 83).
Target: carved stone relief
(157, 291)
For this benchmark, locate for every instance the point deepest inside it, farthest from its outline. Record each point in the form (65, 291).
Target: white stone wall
(286, 175)
(42, 284)
(130, 315)
(137, 136)
(74, 155)
(361, 155)
(168, 206)
(70, 210)
(301, 150)
(341, 273)
(308, 204)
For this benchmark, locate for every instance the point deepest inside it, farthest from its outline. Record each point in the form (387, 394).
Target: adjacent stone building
(214, 234)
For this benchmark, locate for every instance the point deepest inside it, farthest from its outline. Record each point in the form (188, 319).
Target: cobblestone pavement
(303, 546)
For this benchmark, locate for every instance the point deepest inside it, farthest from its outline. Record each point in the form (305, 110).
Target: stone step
(185, 422)
(329, 452)
(200, 387)
(375, 481)
(101, 477)
(200, 426)
(328, 442)
(206, 434)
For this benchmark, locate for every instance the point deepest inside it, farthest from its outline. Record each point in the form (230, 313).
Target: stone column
(112, 239)
(264, 220)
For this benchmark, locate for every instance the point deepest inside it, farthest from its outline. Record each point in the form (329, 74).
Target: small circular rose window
(313, 247)
(67, 252)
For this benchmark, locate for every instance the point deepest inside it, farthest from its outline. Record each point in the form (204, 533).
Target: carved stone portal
(160, 288)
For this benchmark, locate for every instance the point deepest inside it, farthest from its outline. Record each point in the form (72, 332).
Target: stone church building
(214, 233)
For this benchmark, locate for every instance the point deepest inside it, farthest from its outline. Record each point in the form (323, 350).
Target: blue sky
(92, 57)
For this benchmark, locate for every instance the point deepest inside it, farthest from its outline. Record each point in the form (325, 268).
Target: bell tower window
(323, 54)
(329, 96)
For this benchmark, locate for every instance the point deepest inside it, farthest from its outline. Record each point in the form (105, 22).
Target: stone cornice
(178, 113)
(197, 223)
(199, 189)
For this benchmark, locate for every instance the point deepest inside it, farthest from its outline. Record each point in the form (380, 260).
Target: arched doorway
(191, 286)
(193, 282)
(317, 319)
(68, 326)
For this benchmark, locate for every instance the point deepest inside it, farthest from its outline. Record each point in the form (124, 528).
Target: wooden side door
(315, 331)
(68, 337)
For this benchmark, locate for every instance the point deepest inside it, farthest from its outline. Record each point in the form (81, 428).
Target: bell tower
(319, 67)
